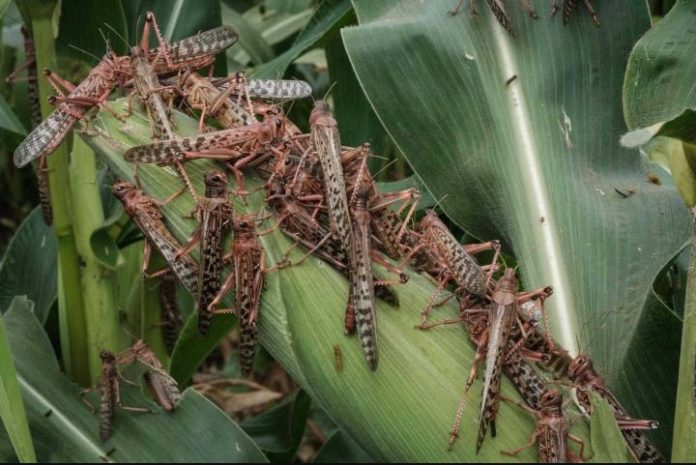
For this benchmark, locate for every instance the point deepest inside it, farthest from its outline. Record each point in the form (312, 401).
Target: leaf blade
(70, 433)
(11, 405)
(532, 162)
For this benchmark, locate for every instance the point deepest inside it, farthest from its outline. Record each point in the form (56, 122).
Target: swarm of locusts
(322, 195)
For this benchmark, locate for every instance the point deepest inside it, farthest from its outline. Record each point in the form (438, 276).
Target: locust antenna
(328, 91)
(384, 168)
(117, 34)
(84, 51)
(438, 203)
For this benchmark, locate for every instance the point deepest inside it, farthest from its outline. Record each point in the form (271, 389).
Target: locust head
(215, 184)
(551, 403)
(123, 189)
(244, 226)
(321, 114)
(581, 369)
(107, 356)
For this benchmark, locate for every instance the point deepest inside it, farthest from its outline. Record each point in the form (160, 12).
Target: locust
(498, 10)
(391, 233)
(570, 5)
(522, 374)
(363, 287)
(269, 89)
(246, 278)
(196, 51)
(327, 145)
(582, 375)
(454, 262)
(493, 344)
(547, 353)
(32, 83)
(110, 395)
(295, 221)
(326, 142)
(92, 91)
(338, 358)
(172, 321)
(202, 95)
(147, 217)
(525, 378)
(552, 432)
(150, 91)
(148, 87)
(163, 387)
(214, 213)
(35, 113)
(243, 146)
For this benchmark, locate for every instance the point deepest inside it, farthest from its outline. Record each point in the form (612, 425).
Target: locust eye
(287, 161)
(278, 123)
(105, 355)
(243, 224)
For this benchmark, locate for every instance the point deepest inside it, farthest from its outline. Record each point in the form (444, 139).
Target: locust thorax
(215, 184)
(508, 282)
(272, 128)
(431, 221)
(276, 194)
(114, 69)
(136, 53)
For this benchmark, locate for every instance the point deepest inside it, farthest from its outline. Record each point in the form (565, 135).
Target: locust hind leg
(532, 441)
(528, 8)
(86, 401)
(591, 11)
(454, 432)
(456, 9)
(581, 456)
(432, 301)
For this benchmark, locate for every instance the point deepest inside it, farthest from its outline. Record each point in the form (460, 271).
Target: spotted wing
(204, 44)
(44, 139)
(170, 150)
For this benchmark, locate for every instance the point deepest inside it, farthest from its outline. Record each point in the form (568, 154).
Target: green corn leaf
(535, 161)
(421, 373)
(12, 410)
(69, 432)
(607, 440)
(279, 430)
(330, 15)
(340, 448)
(658, 95)
(29, 266)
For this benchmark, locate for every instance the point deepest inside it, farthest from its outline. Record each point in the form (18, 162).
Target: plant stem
(70, 304)
(684, 441)
(101, 316)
